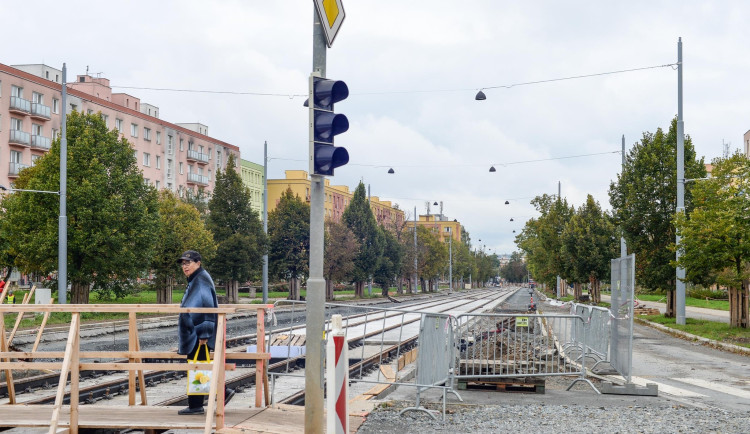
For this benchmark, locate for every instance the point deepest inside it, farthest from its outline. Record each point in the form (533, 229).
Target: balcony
(199, 157)
(19, 138)
(40, 142)
(194, 178)
(15, 169)
(40, 111)
(19, 105)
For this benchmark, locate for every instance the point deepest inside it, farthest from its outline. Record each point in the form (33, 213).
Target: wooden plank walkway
(281, 419)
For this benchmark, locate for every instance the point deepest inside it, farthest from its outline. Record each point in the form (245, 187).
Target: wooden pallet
(504, 385)
(646, 311)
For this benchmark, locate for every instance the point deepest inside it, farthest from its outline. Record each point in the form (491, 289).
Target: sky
(413, 69)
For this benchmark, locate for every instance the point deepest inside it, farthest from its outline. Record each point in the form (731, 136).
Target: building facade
(440, 225)
(337, 198)
(177, 157)
(252, 175)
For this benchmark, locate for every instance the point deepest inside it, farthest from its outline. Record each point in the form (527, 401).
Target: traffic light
(325, 124)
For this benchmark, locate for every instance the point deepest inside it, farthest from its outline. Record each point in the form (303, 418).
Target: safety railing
(506, 345)
(622, 305)
(598, 324)
(74, 360)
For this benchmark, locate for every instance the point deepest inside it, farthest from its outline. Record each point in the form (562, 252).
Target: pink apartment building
(178, 157)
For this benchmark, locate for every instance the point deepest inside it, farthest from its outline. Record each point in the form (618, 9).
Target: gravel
(546, 418)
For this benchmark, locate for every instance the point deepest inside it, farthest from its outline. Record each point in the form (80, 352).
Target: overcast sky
(413, 69)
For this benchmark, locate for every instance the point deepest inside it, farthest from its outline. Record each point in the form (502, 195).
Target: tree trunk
(293, 289)
(233, 289)
(671, 304)
(738, 306)
(422, 283)
(164, 291)
(329, 290)
(400, 288)
(385, 288)
(577, 291)
(79, 293)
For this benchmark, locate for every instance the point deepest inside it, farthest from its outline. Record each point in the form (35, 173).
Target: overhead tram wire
(503, 86)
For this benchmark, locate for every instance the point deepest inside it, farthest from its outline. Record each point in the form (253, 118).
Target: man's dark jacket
(200, 292)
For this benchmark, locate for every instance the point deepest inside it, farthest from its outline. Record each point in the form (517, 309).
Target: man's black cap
(190, 255)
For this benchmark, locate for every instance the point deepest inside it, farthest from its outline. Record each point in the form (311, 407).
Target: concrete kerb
(689, 336)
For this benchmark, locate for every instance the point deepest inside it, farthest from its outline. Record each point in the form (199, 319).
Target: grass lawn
(708, 329)
(689, 301)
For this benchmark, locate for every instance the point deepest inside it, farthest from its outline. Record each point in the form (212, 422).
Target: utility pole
(316, 284)
(680, 283)
(265, 220)
(559, 286)
(450, 262)
(62, 224)
(414, 291)
(623, 246)
(369, 280)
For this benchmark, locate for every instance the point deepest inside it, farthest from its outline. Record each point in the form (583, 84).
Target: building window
(54, 133)
(158, 162)
(16, 91)
(147, 181)
(133, 130)
(118, 125)
(55, 105)
(147, 134)
(190, 168)
(36, 129)
(158, 137)
(146, 159)
(16, 124)
(37, 98)
(16, 157)
(34, 158)
(181, 172)
(157, 184)
(105, 118)
(182, 146)
(89, 111)
(73, 107)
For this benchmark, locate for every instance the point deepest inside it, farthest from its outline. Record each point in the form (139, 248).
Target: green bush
(703, 293)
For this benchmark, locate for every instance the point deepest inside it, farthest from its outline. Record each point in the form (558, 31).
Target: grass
(689, 301)
(708, 329)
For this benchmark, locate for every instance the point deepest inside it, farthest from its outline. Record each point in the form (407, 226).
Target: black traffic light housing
(325, 124)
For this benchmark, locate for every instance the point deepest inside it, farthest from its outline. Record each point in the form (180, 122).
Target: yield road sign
(331, 14)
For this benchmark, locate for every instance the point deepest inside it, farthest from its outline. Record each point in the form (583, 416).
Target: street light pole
(414, 291)
(265, 220)
(680, 273)
(62, 224)
(450, 262)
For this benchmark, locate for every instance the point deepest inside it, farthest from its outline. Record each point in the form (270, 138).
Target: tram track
(110, 389)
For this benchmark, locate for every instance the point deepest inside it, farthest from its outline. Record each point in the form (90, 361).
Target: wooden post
(75, 375)
(4, 346)
(217, 378)
(132, 325)
(141, 378)
(260, 347)
(67, 360)
(41, 329)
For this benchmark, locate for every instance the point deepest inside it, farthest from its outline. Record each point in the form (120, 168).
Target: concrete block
(651, 389)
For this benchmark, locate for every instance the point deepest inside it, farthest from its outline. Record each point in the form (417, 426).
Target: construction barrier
(598, 325)
(337, 379)
(622, 302)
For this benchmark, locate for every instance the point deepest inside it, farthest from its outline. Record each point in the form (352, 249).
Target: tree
(237, 230)
(359, 218)
(588, 245)
(515, 269)
(181, 228)
(391, 263)
(644, 203)
(112, 214)
(341, 248)
(289, 240)
(432, 257)
(715, 236)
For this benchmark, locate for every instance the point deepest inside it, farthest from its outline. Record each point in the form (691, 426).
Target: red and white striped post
(337, 379)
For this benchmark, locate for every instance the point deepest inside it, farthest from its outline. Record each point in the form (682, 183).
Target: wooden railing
(74, 360)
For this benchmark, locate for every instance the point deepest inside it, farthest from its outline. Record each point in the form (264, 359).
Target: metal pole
(62, 223)
(559, 286)
(369, 281)
(414, 291)
(316, 284)
(265, 220)
(623, 246)
(450, 263)
(680, 284)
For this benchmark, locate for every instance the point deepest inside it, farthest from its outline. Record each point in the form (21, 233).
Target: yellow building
(337, 198)
(440, 225)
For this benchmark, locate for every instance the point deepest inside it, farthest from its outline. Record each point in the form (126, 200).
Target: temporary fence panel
(504, 345)
(598, 324)
(623, 294)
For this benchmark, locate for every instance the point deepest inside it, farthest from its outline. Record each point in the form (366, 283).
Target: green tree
(715, 236)
(181, 228)
(463, 262)
(432, 257)
(391, 262)
(359, 218)
(341, 248)
(644, 200)
(515, 269)
(112, 214)
(289, 240)
(237, 230)
(589, 243)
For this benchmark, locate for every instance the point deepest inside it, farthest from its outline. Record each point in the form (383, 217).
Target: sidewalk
(690, 311)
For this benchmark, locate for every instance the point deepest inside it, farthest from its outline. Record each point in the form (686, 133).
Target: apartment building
(174, 156)
(337, 198)
(252, 175)
(439, 224)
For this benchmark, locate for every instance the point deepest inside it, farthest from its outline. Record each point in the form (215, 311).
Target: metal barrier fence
(623, 294)
(504, 345)
(598, 324)
(379, 337)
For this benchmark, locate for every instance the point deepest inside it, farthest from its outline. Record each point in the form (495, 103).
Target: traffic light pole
(316, 284)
